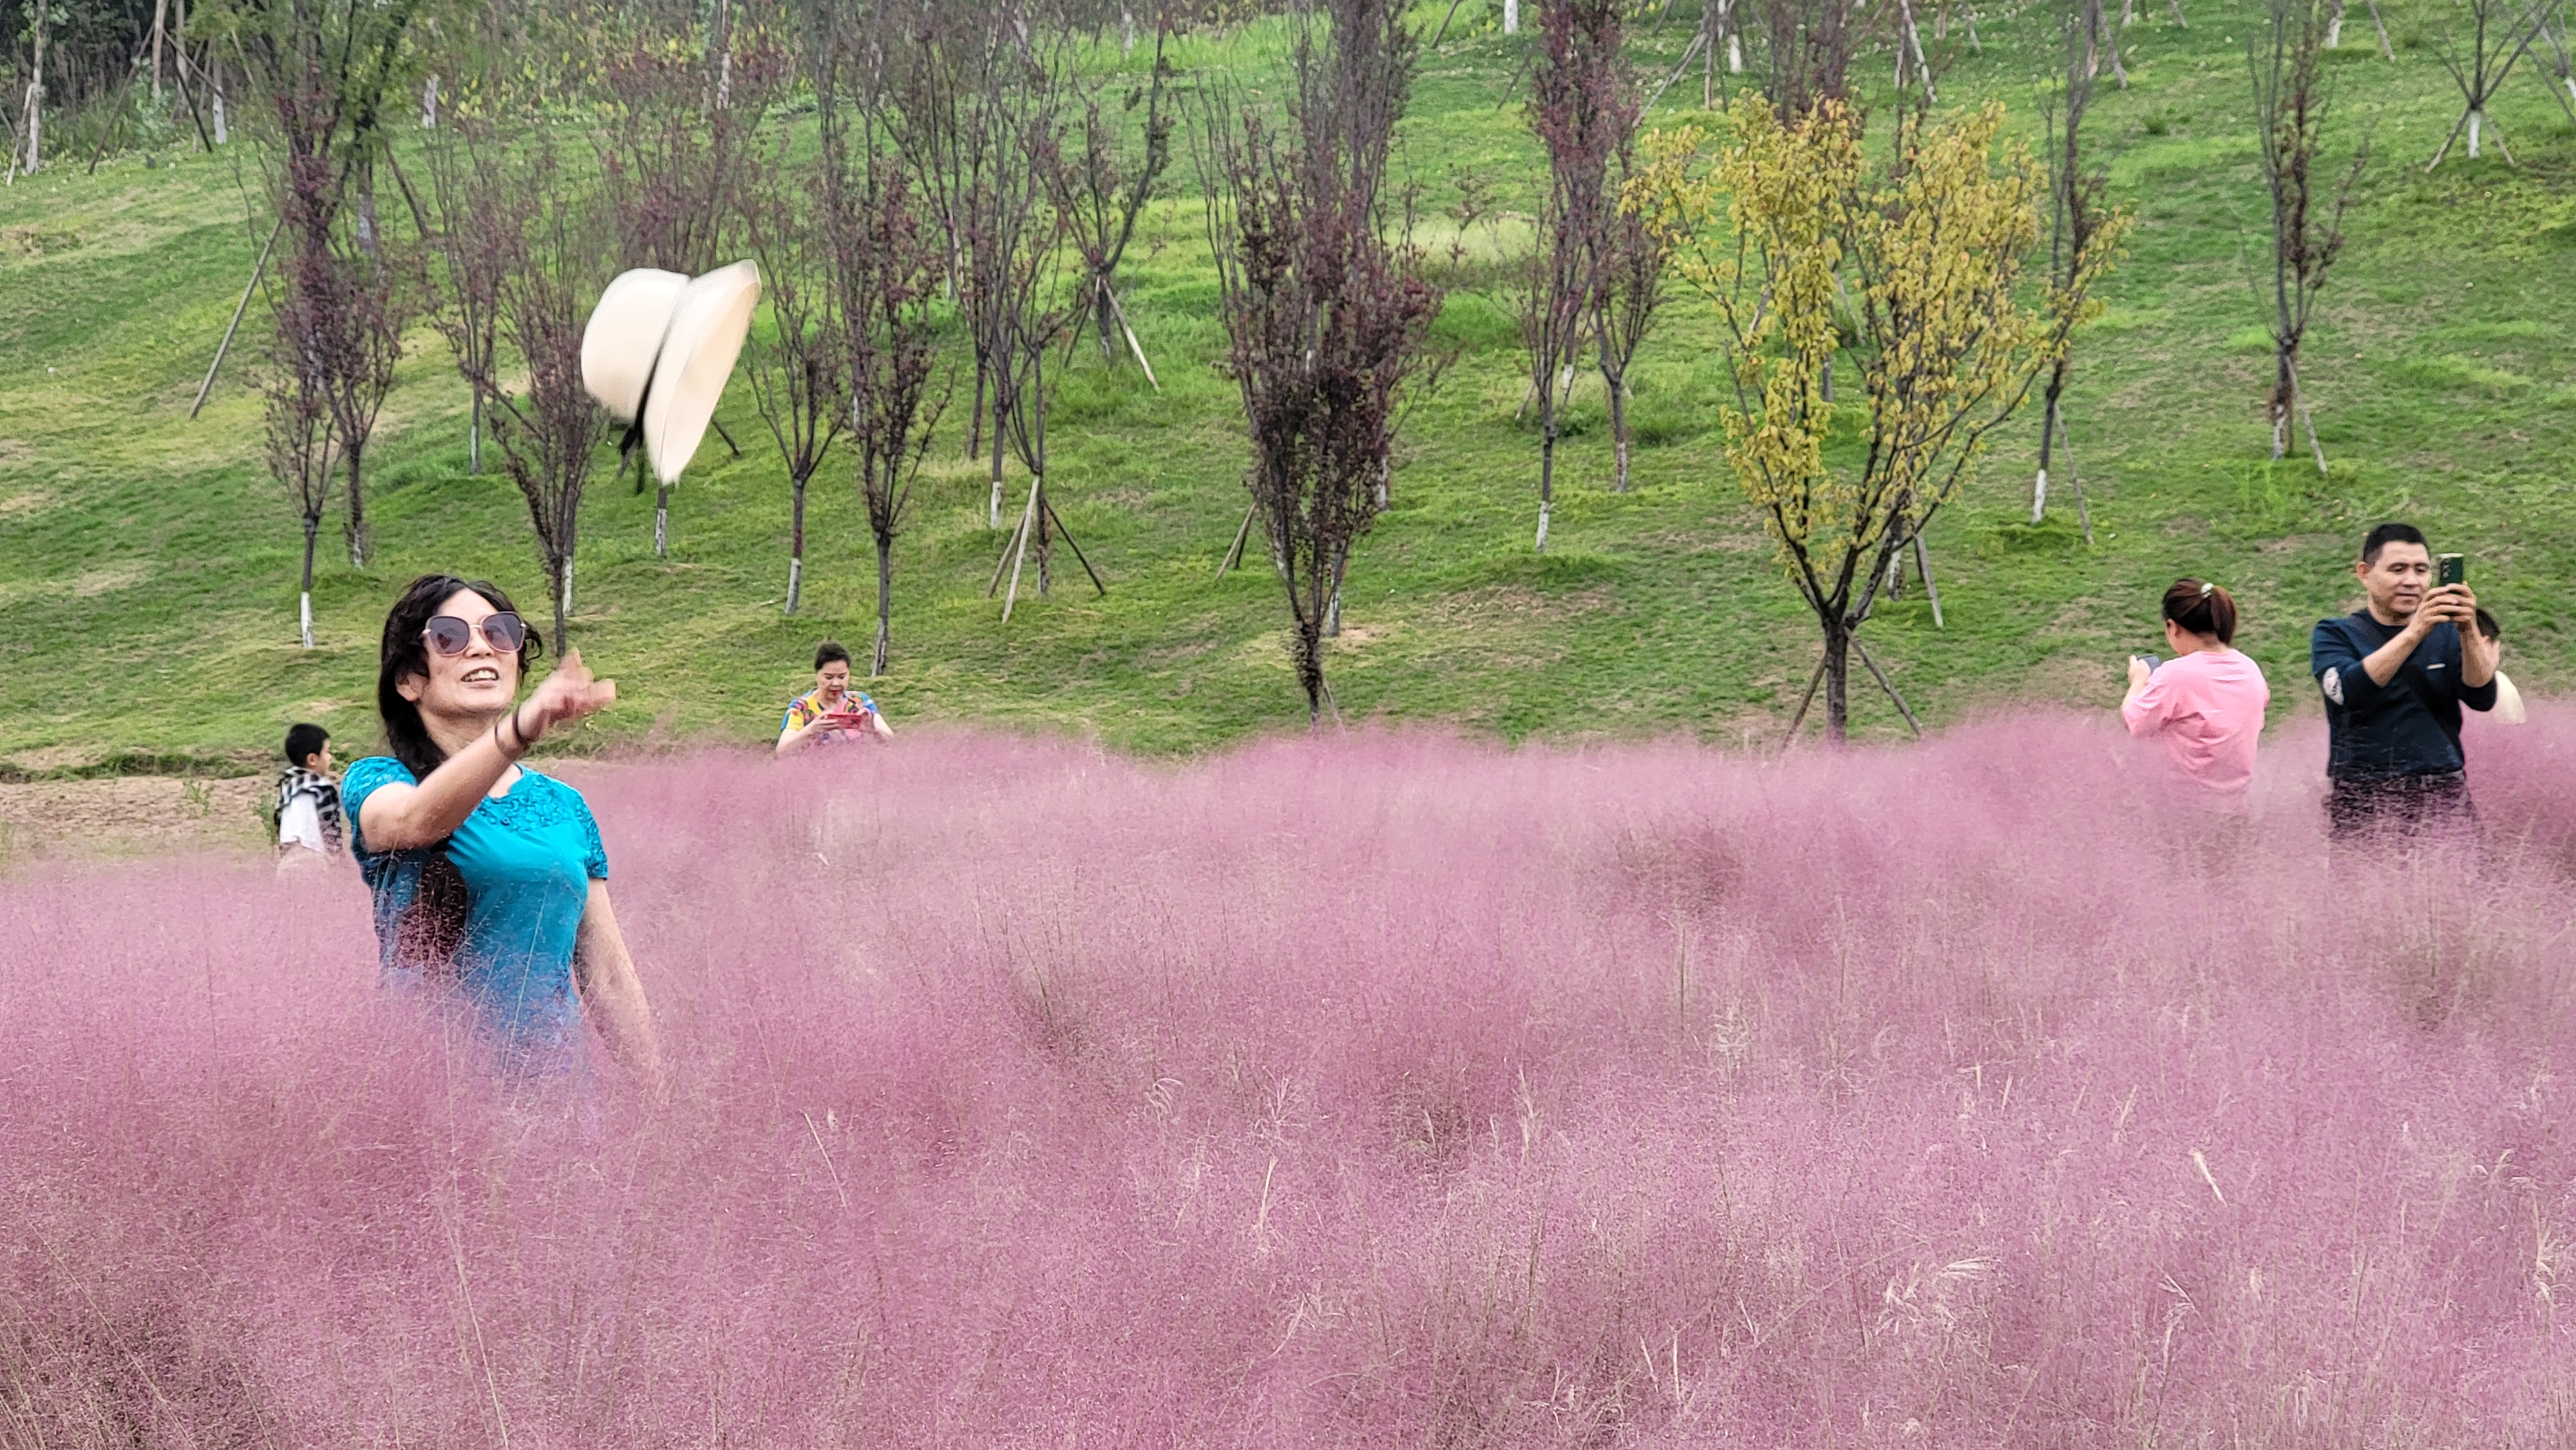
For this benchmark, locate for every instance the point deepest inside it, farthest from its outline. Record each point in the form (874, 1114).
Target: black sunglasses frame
(496, 633)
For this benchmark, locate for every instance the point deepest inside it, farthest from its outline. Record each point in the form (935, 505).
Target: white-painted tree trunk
(1735, 54)
(795, 581)
(2334, 27)
(304, 615)
(160, 14)
(216, 88)
(567, 589)
(2039, 496)
(1543, 510)
(429, 104)
(36, 100)
(2474, 118)
(1511, 17)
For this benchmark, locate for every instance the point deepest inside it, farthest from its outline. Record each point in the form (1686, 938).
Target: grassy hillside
(147, 564)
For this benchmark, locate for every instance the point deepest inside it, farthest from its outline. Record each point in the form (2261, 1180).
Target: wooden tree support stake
(1889, 686)
(1923, 565)
(1804, 701)
(1133, 345)
(257, 268)
(1079, 557)
(1233, 556)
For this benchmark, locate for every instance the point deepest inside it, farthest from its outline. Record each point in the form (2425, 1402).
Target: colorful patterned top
(807, 708)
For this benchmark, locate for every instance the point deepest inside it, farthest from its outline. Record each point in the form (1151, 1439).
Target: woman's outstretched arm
(399, 817)
(614, 994)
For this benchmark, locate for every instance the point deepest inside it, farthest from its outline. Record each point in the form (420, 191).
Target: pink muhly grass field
(1380, 1091)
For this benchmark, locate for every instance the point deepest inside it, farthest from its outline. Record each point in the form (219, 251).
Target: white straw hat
(625, 336)
(665, 344)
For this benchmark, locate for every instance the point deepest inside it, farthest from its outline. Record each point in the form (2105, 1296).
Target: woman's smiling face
(476, 685)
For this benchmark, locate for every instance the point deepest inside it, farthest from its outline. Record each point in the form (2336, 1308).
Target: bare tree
(469, 311)
(2561, 60)
(1102, 191)
(1810, 46)
(544, 235)
(1628, 296)
(1021, 256)
(797, 375)
(952, 65)
(2077, 214)
(325, 70)
(1326, 313)
(302, 445)
(1580, 107)
(886, 269)
(681, 110)
(2500, 32)
(2292, 104)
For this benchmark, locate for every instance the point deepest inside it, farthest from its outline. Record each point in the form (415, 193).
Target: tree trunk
(662, 521)
(1616, 385)
(357, 526)
(1837, 682)
(312, 530)
(1310, 667)
(215, 87)
(2285, 366)
(474, 438)
(885, 602)
(160, 13)
(796, 548)
(1046, 537)
(2047, 436)
(993, 512)
(2476, 116)
(975, 424)
(1546, 468)
(563, 601)
(1511, 17)
(36, 98)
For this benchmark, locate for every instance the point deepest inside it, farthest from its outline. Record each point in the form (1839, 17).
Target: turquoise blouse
(492, 912)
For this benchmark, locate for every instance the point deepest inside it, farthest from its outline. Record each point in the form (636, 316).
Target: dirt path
(127, 814)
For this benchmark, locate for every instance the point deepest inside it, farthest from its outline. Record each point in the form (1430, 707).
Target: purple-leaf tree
(797, 376)
(544, 234)
(1581, 107)
(681, 104)
(1326, 312)
(1102, 190)
(885, 272)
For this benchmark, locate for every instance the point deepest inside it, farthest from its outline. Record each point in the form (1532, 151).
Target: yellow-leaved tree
(1909, 271)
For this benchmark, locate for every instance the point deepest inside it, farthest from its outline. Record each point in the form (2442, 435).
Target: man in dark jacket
(2395, 675)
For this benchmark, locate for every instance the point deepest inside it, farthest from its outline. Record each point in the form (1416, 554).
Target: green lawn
(148, 565)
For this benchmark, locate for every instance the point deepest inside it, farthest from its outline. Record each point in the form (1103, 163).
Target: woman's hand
(567, 694)
(2138, 674)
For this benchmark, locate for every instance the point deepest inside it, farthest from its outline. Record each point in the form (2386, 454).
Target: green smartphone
(2451, 568)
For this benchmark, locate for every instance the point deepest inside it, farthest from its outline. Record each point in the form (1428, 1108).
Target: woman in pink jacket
(2205, 705)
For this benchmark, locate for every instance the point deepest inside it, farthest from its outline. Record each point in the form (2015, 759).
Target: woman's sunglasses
(504, 631)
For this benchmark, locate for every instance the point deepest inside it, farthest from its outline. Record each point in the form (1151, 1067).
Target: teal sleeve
(363, 779)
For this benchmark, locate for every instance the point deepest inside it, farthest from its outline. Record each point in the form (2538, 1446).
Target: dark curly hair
(406, 653)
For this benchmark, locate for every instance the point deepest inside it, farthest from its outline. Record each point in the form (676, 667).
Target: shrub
(1978, 1093)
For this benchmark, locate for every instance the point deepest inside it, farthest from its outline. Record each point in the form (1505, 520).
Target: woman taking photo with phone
(2205, 705)
(490, 882)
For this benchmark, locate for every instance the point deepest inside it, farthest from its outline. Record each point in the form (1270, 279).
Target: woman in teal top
(489, 880)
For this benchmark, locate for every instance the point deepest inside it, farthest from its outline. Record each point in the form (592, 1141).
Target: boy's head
(309, 746)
